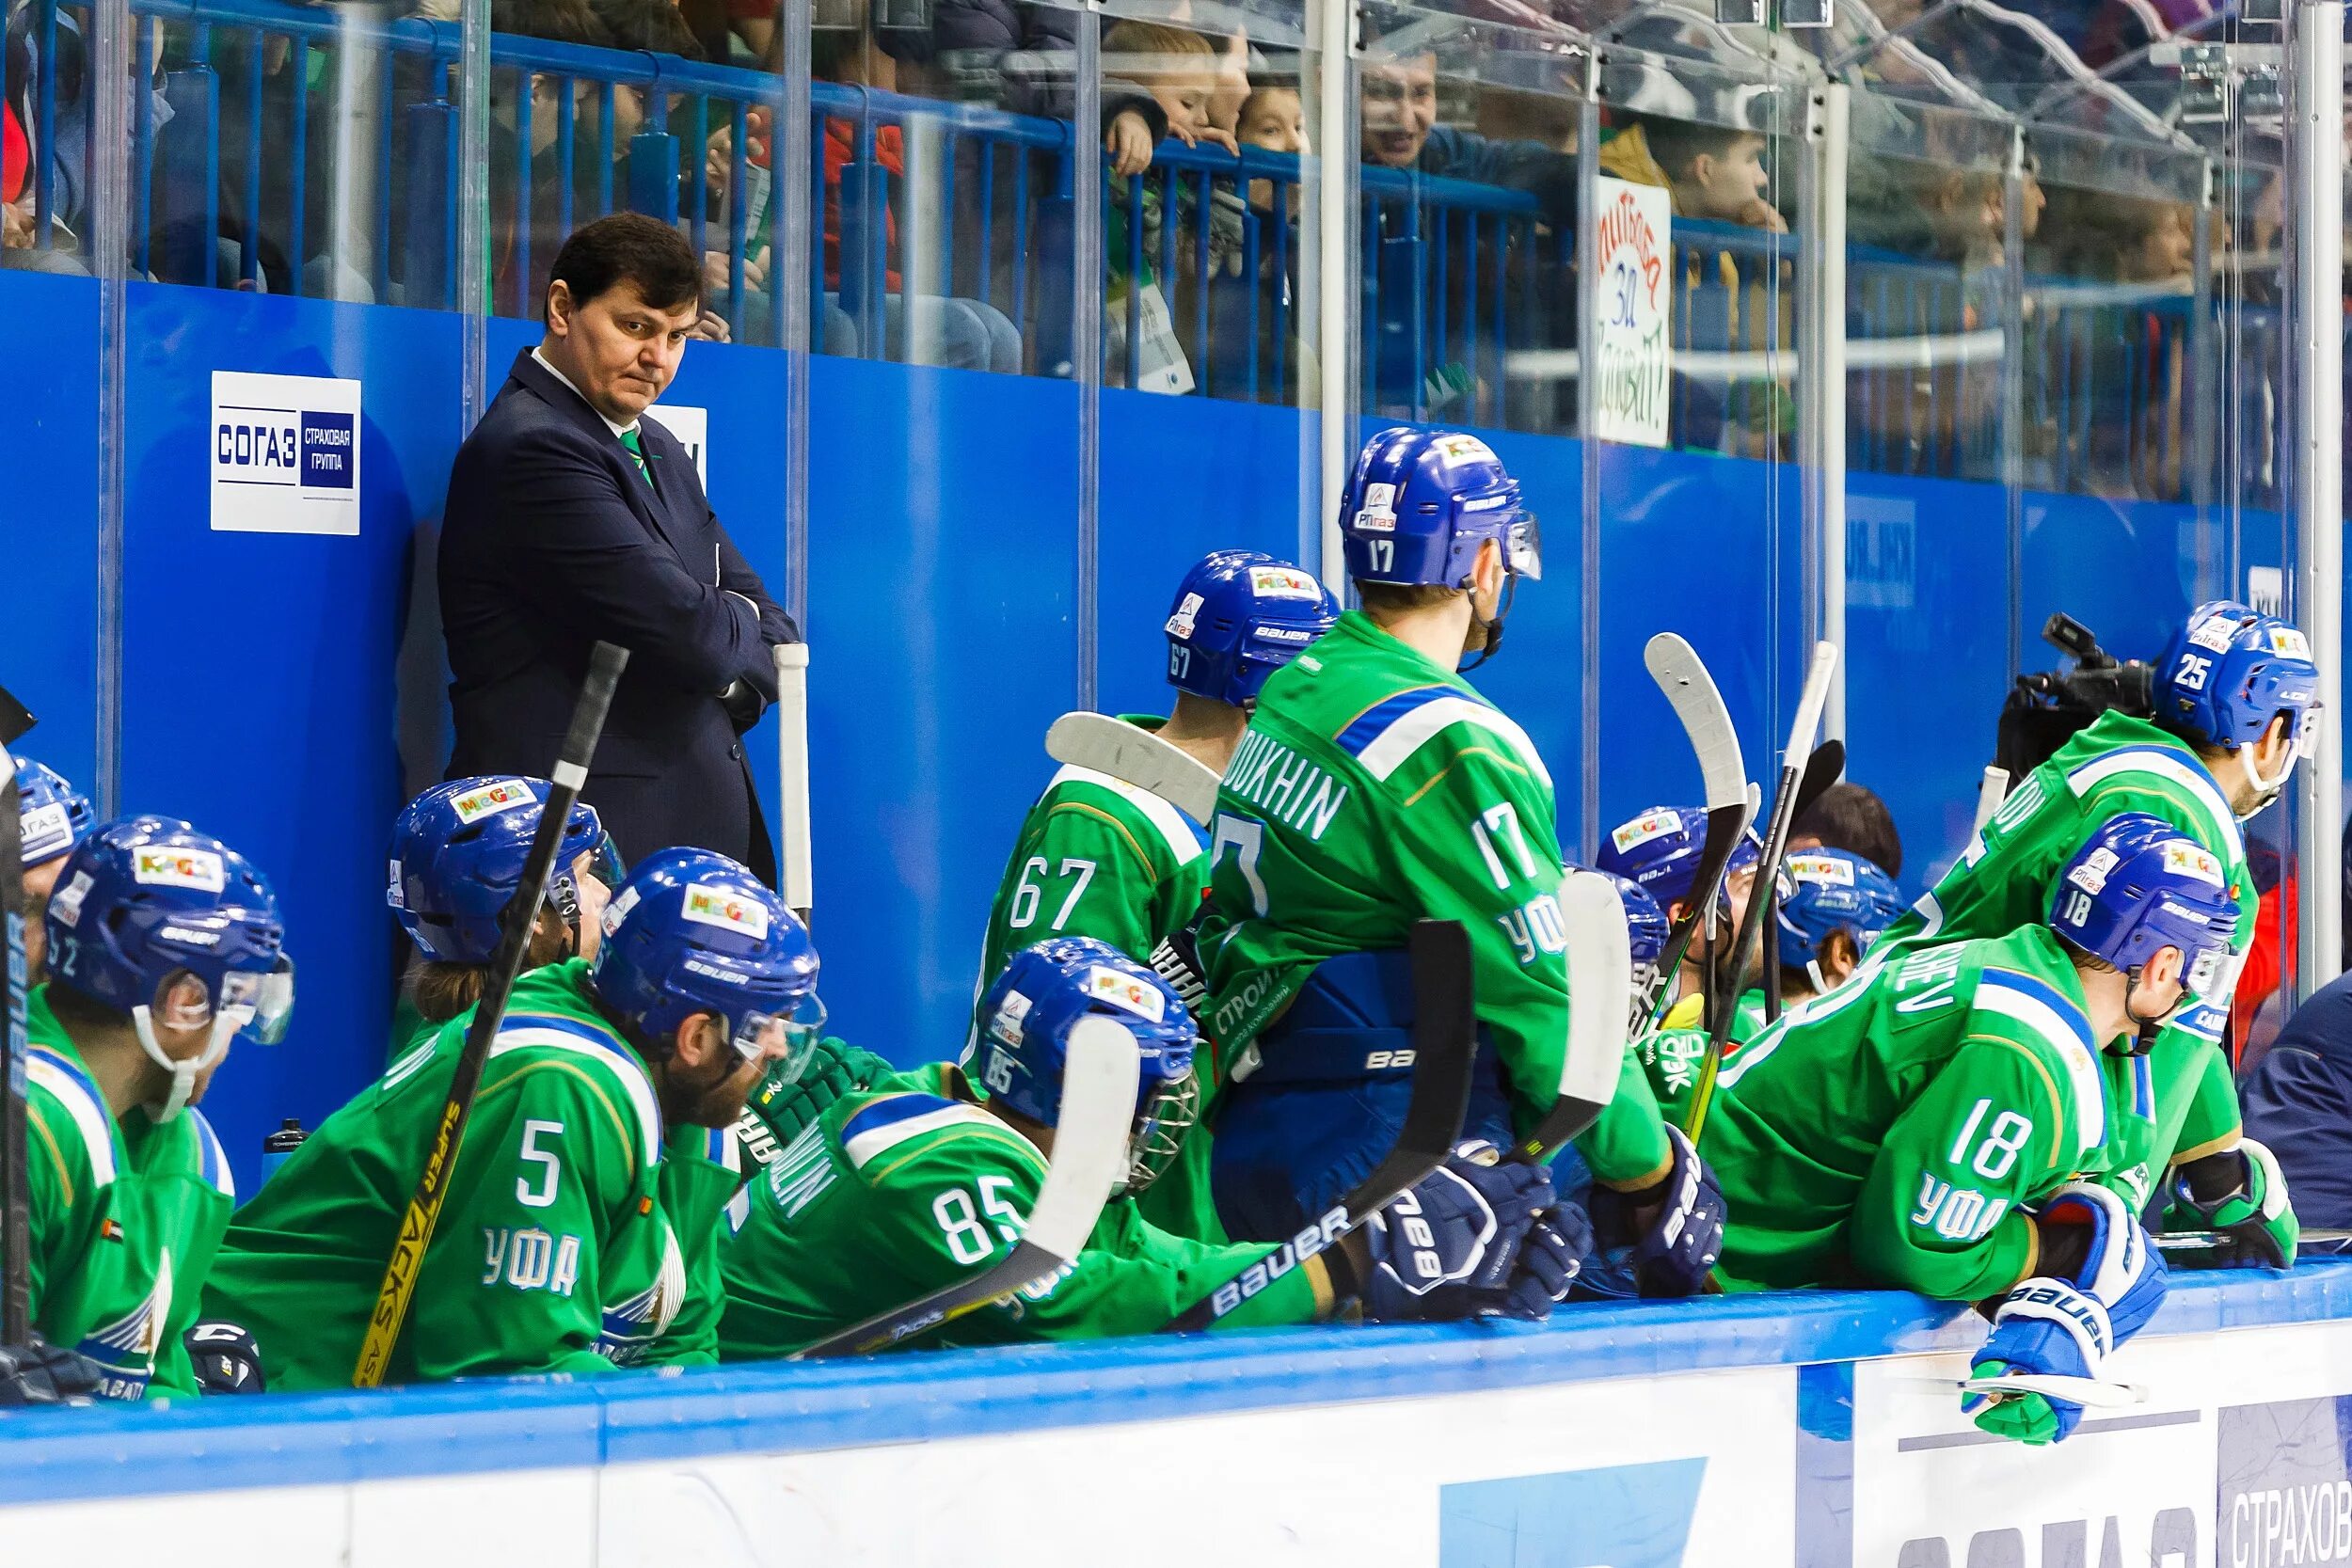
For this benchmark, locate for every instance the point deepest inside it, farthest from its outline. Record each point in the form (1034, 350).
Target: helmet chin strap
(2266, 790)
(225, 1025)
(1490, 627)
(2145, 1040)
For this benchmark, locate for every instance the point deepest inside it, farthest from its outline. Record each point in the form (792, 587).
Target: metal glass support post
(1821, 381)
(1085, 308)
(1587, 423)
(110, 252)
(2315, 145)
(2013, 395)
(791, 242)
(1336, 246)
(474, 207)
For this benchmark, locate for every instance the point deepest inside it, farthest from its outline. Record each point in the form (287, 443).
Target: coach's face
(618, 350)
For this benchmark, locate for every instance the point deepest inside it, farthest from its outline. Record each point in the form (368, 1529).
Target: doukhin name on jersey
(1285, 786)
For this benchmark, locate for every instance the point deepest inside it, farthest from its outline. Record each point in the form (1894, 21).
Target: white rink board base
(1818, 1430)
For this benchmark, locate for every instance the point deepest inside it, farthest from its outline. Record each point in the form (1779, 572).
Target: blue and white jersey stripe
(890, 1121)
(2185, 773)
(211, 1161)
(1383, 737)
(552, 1032)
(2054, 1018)
(73, 1088)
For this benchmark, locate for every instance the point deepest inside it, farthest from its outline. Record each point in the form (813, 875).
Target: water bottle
(280, 1145)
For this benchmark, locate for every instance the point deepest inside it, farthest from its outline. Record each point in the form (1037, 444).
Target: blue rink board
(494, 1424)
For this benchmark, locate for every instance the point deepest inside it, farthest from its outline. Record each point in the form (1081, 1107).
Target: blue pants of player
(1328, 1098)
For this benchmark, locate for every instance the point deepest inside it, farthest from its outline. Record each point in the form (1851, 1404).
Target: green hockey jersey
(2005, 878)
(1096, 858)
(1894, 1131)
(1373, 789)
(702, 1170)
(554, 1253)
(902, 1191)
(126, 1217)
(1671, 1057)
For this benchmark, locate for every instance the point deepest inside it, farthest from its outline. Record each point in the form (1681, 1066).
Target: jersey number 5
(551, 1164)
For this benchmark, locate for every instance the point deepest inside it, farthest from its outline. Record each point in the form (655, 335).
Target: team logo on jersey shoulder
(492, 798)
(1378, 512)
(726, 908)
(2184, 859)
(1283, 582)
(1649, 825)
(1125, 991)
(1180, 624)
(168, 866)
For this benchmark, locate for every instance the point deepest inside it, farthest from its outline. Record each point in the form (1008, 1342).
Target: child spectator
(1273, 118)
(1180, 72)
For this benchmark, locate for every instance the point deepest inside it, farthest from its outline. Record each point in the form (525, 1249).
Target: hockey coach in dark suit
(571, 520)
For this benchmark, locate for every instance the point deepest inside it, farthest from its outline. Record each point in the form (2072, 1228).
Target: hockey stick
(16, 1204)
(1989, 794)
(605, 664)
(1098, 1112)
(2208, 1240)
(798, 874)
(1133, 756)
(1445, 1044)
(1824, 768)
(2091, 1393)
(1601, 966)
(1796, 765)
(1691, 690)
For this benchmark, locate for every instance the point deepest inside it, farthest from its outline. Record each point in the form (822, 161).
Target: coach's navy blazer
(552, 540)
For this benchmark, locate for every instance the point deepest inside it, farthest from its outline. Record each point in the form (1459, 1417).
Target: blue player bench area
(238, 180)
(1818, 1428)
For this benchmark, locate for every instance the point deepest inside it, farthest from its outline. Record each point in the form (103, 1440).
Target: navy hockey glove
(43, 1373)
(1550, 1258)
(1437, 1248)
(1674, 1227)
(226, 1359)
(2053, 1326)
(2242, 1193)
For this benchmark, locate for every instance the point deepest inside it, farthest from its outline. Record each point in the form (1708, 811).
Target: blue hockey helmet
(1660, 851)
(1042, 996)
(457, 857)
(691, 931)
(2139, 886)
(1420, 503)
(52, 816)
(1827, 889)
(1645, 929)
(2228, 672)
(1239, 616)
(145, 899)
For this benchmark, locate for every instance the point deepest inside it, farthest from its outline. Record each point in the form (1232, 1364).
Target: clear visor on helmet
(1523, 547)
(787, 1038)
(264, 1004)
(604, 864)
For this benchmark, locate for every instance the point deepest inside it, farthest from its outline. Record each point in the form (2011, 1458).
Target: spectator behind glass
(1275, 119)
(1850, 818)
(1180, 71)
(1713, 171)
(558, 22)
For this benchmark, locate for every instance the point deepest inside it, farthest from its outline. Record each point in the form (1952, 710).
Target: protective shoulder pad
(1386, 734)
(2038, 1016)
(914, 1124)
(75, 1093)
(606, 1057)
(1169, 826)
(2164, 771)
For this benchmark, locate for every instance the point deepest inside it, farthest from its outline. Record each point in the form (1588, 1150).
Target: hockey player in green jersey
(1832, 904)
(1377, 787)
(899, 1191)
(1974, 1120)
(164, 943)
(2233, 701)
(555, 1253)
(1097, 857)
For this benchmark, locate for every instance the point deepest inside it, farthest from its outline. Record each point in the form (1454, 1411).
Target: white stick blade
(1133, 756)
(1989, 794)
(1814, 697)
(1676, 667)
(1098, 1112)
(2090, 1392)
(1600, 977)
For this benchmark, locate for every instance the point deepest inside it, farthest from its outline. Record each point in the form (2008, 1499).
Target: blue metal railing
(1454, 277)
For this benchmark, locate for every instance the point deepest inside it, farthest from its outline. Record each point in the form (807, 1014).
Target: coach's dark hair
(632, 247)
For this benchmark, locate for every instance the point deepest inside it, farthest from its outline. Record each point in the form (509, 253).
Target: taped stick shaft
(797, 851)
